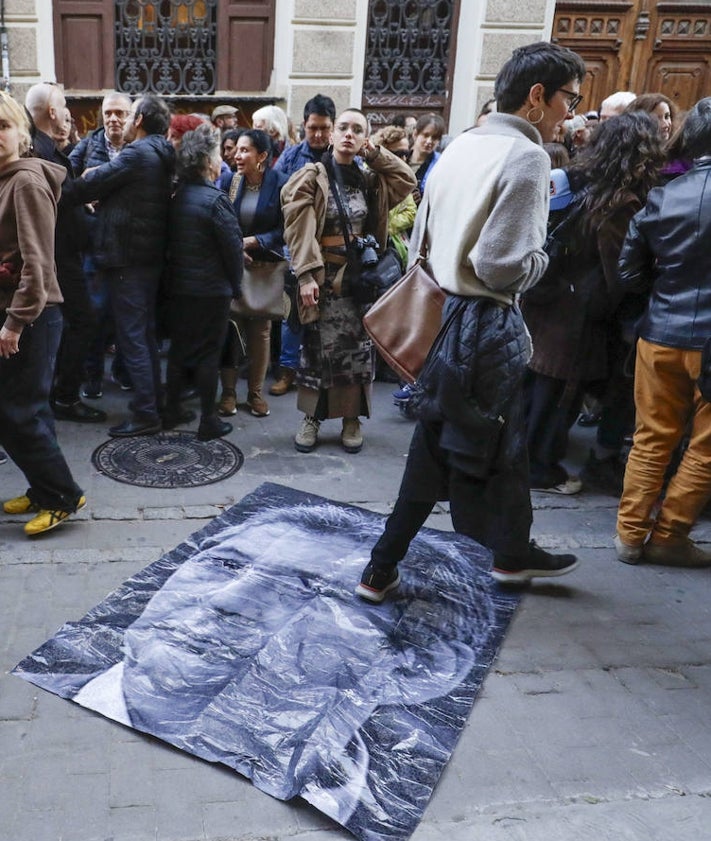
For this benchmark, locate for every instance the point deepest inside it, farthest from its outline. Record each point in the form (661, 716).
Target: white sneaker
(571, 485)
(351, 435)
(307, 437)
(626, 552)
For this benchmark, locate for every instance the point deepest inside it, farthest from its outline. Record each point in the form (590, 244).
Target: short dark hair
(260, 140)
(194, 153)
(696, 133)
(322, 106)
(426, 120)
(155, 113)
(541, 63)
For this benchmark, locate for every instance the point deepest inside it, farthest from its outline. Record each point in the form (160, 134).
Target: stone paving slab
(592, 724)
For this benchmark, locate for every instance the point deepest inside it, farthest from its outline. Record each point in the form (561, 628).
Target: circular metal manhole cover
(167, 460)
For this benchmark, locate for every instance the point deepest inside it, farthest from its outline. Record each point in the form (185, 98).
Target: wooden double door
(639, 45)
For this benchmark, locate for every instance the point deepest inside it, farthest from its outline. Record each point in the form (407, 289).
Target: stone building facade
(318, 46)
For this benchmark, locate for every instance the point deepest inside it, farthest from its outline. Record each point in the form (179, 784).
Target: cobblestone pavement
(593, 723)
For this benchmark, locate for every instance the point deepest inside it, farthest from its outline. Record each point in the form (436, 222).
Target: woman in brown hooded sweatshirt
(30, 325)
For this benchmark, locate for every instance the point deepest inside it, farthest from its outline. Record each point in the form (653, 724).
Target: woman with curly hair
(577, 340)
(660, 107)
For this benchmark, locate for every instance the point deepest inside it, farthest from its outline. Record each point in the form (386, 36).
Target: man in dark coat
(130, 244)
(96, 148)
(46, 104)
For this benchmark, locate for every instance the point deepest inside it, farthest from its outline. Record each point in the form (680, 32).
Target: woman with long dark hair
(336, 364)
(577, 341)
(426, 137)
(666, 259)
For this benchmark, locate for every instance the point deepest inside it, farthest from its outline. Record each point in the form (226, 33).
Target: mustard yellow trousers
(667, 402)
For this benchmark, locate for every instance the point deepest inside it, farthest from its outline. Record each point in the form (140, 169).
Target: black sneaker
(3, 457)
(376, 582)
(538, 564)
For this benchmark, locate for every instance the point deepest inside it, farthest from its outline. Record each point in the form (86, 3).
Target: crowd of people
(572, 296)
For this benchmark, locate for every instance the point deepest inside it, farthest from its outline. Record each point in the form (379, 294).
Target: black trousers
(197, 327)
(79, 330)
(549, 415)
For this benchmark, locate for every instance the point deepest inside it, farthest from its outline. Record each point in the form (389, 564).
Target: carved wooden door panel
(639, 45)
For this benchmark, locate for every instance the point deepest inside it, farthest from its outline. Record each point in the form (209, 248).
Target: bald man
(46, 104)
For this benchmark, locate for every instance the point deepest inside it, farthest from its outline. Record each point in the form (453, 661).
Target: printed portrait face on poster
(245, 645)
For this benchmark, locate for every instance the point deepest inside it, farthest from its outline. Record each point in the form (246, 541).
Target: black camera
(367, 248)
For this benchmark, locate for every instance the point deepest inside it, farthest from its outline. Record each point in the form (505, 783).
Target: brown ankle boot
(257, 404)
(284, 383)
(228, 401)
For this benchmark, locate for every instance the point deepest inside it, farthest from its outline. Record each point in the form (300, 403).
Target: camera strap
(335, 182)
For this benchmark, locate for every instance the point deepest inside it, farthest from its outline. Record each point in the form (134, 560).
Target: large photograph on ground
(245, 645)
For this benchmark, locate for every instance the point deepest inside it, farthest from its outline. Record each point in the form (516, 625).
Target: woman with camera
(337, 359)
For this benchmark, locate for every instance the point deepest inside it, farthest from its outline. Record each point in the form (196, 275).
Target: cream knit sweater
(488, 205)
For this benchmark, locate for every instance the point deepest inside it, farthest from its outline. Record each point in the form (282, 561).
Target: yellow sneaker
(48, 520)
(19, 505)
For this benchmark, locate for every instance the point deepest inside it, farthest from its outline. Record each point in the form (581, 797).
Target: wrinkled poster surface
(245, 645)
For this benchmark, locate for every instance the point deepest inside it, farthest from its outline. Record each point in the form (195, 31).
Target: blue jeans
(133, 291)
(26, 422)
(290, 344)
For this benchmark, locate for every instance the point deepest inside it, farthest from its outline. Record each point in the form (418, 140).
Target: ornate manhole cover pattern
(167, 460)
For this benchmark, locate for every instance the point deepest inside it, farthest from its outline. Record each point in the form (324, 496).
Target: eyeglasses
(574, 99)
(401, 153)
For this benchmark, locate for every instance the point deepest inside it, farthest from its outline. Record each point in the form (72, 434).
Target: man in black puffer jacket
(130, 244)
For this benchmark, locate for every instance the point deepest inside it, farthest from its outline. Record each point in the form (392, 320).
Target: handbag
(262, 290)
(368, 275)
(262, 280)
(404, 322)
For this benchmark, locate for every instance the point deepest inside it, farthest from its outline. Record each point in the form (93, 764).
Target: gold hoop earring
(535, 122)
(259, 166)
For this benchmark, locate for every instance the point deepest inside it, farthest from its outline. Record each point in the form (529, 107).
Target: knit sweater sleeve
(508, 256)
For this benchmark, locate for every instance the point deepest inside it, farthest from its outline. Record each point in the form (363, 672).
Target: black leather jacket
(205, 243)
(134, 190)
(666, 254)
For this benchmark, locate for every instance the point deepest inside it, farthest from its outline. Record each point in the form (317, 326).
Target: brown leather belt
(336, 259)
(333, 242)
